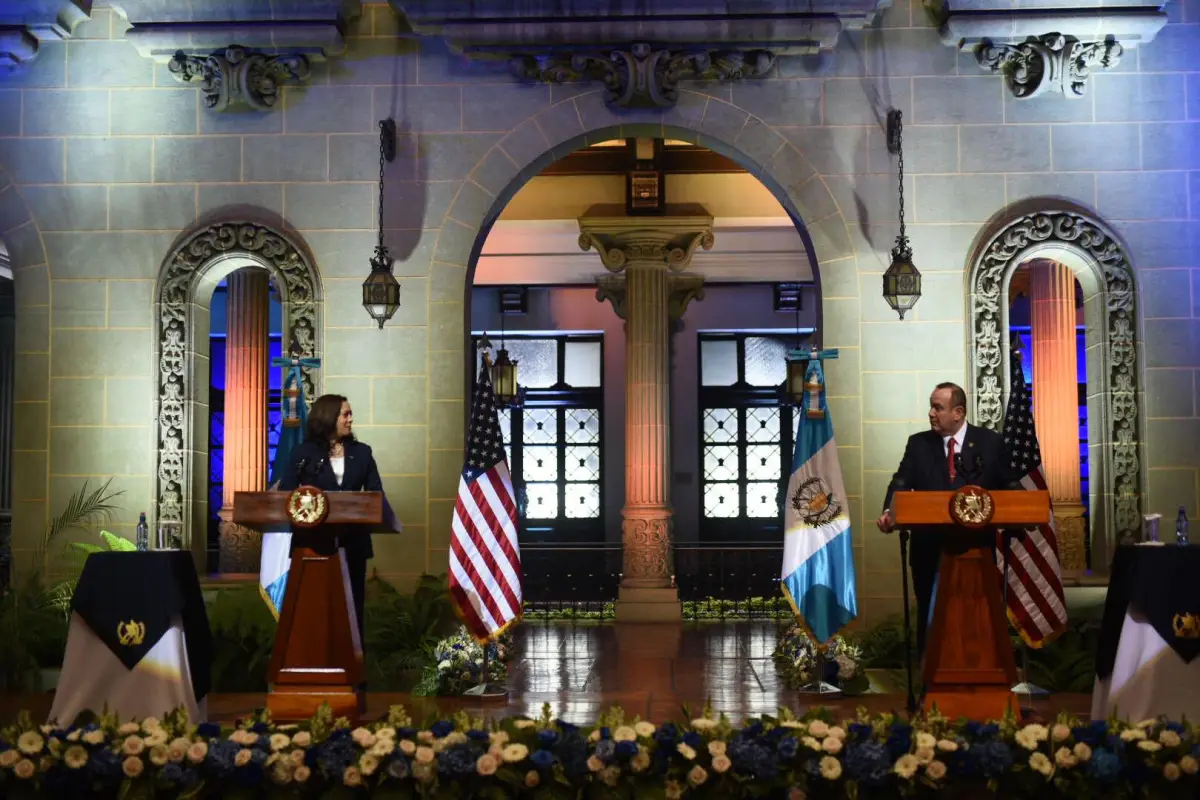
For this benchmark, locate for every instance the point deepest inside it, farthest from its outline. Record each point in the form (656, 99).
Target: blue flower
(867, 762)
(753, 730)
(260, 727)
(172, 773)
(1175, 727)
(547, 738)
(899, 740)
(627, 749)
(605, 733)
(406, 733)
(476, 735)
(751, 758)
(1092, 734)
(860, 732)
(542, 759)
(666, 734)
(990, 759)
(1104, 766)
(441, 728)
(605, 748)
(567, 727)
(4, 746)
(398, 767)
(788, 746)
(206, 730)
(693, 739)
(457, 760)
(250, 775)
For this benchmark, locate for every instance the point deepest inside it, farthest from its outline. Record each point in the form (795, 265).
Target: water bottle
(143, 533)
(1181, 527)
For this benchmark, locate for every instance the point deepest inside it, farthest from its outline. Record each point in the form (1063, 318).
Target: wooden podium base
(969, 666)
(301, 703)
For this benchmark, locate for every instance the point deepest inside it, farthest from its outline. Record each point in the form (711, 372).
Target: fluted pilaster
(1056, 400)
(645, 255)
(246, 357)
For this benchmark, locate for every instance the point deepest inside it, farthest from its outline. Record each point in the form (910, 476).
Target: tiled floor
(651, 671)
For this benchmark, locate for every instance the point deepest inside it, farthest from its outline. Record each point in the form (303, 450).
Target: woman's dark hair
(323, 418)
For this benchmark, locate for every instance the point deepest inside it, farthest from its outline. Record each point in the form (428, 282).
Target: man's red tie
(950, 457)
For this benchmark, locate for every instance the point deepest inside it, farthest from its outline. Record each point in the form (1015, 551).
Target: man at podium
(948, 456)
(331, 459)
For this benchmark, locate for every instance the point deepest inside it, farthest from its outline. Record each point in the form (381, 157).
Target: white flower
(1149, 746)
(1188, 765)
(197, 752)
(501, 737)
(831, 745)
(1133, 735)
(514, 752)
(132, 766)
(686, 751)
(703, 724)
(1082, 751)
(818, 728)
(1169, 738)
(301, 774)
(925, 755)
(947, 745)
(624, 734)
(847, 668)
(643, 729)
(8, 758)
(151, 724)
(831, 768)
(811, 743)
(1171, 771)
(30, 743)
(158, 755)
(74, 735)
(905, 766)
(383, 747)
(936, 770)
(640, 762)
(595, 764)
(128, 729)
(1060, 733)
(368, 764)
(93, 737)
(1037, 732)
(696, 775)
(242, 758)
(75, 757)
(279, 741)
(352, 777)
(1040, 763)
(386, 733)
(837, 732)
(522, 724)
(25, 769)
(156, 738)
(1065, 758)
(302, 739)
(1026, 740)
(716, 748)
(486, 765)
(926, 740)
(407, 746)
(532, 779)
(721, 764)
(133, 746)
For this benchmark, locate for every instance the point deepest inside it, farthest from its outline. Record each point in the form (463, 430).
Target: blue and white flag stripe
(818, 555)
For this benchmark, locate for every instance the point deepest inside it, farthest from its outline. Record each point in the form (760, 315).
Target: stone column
(246, 356)
(1056, 401)
(645, 255)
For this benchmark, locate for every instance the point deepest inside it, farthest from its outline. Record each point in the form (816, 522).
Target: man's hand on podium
(885, 521)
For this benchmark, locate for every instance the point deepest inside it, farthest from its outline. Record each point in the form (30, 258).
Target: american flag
(485, 558)
(1035, 595)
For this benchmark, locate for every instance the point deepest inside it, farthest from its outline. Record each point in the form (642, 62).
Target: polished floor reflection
(652, 671)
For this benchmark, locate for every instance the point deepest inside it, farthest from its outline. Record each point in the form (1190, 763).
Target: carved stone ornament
(237, 75)
(180, 384)
(1052, 62)
(646, 540)
(991, 273)
(682, 290)
(642, 75)
(668, 240)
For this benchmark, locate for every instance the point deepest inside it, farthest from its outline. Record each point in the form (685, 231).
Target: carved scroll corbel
(237, 75)
(1052, 62)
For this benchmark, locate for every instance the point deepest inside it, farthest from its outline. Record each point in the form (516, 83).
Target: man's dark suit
(985, 462)
(310, 467)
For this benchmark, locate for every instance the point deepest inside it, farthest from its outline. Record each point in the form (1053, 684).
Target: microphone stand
(908, 666)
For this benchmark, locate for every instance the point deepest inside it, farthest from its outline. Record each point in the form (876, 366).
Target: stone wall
(107, 161)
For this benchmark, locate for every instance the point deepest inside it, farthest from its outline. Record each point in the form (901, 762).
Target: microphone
(300, 465)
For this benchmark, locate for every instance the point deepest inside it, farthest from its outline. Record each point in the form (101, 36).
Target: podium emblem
(132, 633)
(1187, 626)
(307, 507)
(972, 507)
(815, 503)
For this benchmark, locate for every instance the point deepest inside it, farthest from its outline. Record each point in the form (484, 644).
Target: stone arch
(196, 265)
(31, 388)
(1060, 230)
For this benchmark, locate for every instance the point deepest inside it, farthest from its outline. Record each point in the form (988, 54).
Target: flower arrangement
(795, 659)
(707, 757)
(457, 664)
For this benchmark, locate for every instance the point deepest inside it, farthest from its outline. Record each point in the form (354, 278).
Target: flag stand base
(485, 689)
(1031, 689)
(820, 688)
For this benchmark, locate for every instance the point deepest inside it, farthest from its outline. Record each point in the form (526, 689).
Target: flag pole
(484, 688)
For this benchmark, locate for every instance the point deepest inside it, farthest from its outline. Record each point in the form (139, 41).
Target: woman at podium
(331, 459)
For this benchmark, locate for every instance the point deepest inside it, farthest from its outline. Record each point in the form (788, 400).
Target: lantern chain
(896, 146)
(382, 137)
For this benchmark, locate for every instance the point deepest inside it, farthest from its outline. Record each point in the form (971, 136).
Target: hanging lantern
(794, 388)
(504, 379)
(381, 290)
(902, 281)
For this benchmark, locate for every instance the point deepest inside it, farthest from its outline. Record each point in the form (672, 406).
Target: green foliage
(1068, 663)
(402, 630)
(883, 646)
(243, 630)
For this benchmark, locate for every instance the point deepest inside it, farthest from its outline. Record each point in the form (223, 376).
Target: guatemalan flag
(277, 545)
(818, 559)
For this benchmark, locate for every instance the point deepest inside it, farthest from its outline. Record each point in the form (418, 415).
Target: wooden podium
(969, 669)
(317, 657)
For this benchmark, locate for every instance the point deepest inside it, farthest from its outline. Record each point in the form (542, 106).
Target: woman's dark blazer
(309, 466)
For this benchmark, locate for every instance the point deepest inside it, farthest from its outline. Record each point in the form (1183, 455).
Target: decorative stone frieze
(1039, 51)
(1116, 424)
(240, 76)
(25, 24)
(639, 51)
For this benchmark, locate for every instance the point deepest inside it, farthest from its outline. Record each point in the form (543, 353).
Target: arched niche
(1072, 236)
(185, 287)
